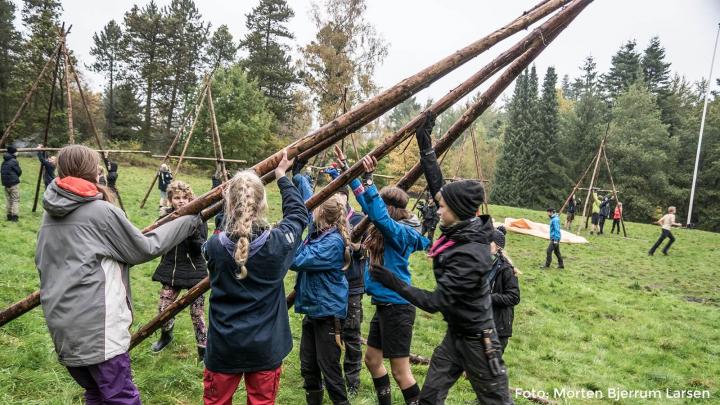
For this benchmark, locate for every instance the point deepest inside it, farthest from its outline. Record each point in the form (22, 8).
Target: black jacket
(462, 293)
(505, 295)
(10, 171)
(164, 180)
(184, 265)
(49, 172)
(605, 208)
(112, 173)
(356, 273)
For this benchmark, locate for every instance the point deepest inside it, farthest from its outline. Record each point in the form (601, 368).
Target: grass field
(613, 319)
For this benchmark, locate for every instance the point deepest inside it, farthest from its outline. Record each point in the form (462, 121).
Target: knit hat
(11, 150)
(498, 236)
(463, 197)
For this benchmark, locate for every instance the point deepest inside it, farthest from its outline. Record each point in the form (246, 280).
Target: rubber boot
(165, 339)
(314, 397)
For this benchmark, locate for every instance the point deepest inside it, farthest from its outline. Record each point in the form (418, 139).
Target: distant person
(102, 177)
(571, 210)
(595, 217)
(617, 217)
(604, 212)
(165, 177)
(48, 164)
(555, 237)
(429, 216)
(666, 222)
(11, 173)
(504, 287)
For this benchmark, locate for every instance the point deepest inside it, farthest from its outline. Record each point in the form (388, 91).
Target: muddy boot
(314, 397)
(165, 339)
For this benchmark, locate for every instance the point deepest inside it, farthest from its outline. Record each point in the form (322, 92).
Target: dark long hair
(396, 200)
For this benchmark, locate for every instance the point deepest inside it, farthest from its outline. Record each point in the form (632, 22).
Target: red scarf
(77, 186)
(440, 245)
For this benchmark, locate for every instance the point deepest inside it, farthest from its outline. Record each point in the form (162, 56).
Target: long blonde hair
(82, 162)
(333, 213)
(245, 203)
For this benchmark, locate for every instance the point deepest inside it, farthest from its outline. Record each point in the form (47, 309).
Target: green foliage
(9, 49)
(222, 48)
(126, 113)
(625, 70)
(107, 49)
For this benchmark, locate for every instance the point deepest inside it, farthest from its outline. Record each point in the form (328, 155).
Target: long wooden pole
(28, 96)
(577, 185)
(68, 106)
(478, 169)
(202, 158)
(216, 132)
(192, 129)
(614, 190)
(47, 125)
(592, 182)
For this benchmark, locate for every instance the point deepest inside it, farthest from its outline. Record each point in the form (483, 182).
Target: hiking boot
(353, 391)
(314, 397)
(165, 339)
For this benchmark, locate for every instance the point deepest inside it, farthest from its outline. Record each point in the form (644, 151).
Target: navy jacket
(164, 180)
(505, 295)
(49, 172)
(249, 328)
(10, 171)
(355, 274)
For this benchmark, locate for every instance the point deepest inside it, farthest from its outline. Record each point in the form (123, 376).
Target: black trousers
(504, 340)
(320, 358)
(554, 246)
(352, 364)
(602, 223)
(616, 223)
(665, 234)
(456, 354)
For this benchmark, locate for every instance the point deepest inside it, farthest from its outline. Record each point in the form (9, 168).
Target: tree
(403, 113)
(222, 49)
(107, 47)
(656, 72)
(9, 48)
(339, 63)
(625, 69)
(268, 61)
(126, 116)
(143, 36)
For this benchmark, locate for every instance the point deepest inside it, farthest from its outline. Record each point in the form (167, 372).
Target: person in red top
(617, 215)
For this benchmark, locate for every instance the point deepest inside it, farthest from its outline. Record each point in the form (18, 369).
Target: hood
(59, 202)
(8, 156)
(478, 229)
(412, 222)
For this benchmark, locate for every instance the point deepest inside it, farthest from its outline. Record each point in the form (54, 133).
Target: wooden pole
(68, 106)
(592, 182)
(575, 188)
(28, 96)
(478, 169)
(27, 150)
(192, 129)
(203, 158)
(216, 132)
(47, 125)
(614, 190)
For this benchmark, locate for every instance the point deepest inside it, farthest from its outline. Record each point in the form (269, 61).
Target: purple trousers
(109, 382)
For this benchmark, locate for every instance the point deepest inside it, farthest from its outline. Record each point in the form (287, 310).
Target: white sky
(421, 32)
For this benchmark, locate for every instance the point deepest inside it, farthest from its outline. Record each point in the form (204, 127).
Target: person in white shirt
(666, 222)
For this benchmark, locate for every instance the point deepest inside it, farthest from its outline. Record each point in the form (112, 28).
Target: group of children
(86, 246)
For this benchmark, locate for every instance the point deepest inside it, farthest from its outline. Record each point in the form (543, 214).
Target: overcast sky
(421, 32)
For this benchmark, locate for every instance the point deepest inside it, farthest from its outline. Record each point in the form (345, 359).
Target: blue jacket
(555, 227)
(400, 242)
(321, 286)
(249, 327)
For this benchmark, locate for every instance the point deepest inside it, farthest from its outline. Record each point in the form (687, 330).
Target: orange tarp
(531, 228)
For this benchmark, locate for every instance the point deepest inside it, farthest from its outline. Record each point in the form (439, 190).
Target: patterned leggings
(168, 295)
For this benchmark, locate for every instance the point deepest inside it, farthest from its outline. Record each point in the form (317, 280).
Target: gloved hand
(298, 166)
(385, 277)
(423, 132)
(332, 172)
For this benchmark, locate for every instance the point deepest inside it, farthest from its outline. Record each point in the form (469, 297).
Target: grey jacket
(84, 250)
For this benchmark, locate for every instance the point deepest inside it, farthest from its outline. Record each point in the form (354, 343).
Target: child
(102, 178)
(84, 249)
(182, 268)
(48, 166)
(461, 261)
(11, 173)
(249, 328)
(428, 212)
(604, 212)
(322, 295)
(504, 288)
(165, 177)
(571, 210)
(555, 236)
(595, 219)
(617, 217)
(666, 222)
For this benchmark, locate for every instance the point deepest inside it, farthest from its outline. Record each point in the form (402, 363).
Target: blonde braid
(244, 203)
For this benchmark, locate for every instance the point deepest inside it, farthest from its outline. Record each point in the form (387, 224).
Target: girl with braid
(322, 295)
(249, 329)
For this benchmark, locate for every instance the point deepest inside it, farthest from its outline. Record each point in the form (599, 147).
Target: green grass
(614, 318)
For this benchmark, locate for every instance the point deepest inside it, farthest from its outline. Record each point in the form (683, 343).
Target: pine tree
(268, 61)
(9, 48)
(126, 116)
(403, 113)
(625, 70)
(222, 49)
(107, 47)
(656, 72)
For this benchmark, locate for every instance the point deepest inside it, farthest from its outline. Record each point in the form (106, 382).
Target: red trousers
(261, 387)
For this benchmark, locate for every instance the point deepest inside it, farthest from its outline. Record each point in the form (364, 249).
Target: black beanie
(498, 236)
(11, 150)
(463, 197)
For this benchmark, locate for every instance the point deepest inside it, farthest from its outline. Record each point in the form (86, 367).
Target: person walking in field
(11, 173)
(85, 247)
(165, 177)
(666, 222)
(555, 236)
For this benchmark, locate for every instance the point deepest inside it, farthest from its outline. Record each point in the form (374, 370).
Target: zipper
(172, 280)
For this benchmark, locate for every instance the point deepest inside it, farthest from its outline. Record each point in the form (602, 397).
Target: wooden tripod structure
(205, 93)
(595, 164)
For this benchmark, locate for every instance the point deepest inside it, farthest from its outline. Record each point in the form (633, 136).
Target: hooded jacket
(555, 232)
(505, 294)
(401, 240)
(249, 328)
(85, 247)
(164, 180)
(49, 172)
(184, 266)
(10, 171)
(462, 293)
